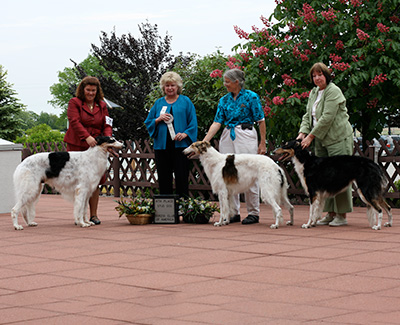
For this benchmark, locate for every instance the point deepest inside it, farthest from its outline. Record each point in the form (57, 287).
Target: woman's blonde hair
(172, 77)
(320, 67)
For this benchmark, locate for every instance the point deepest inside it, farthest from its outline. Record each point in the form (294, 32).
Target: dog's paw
(289, 223)
(274, 226)
(32, 224)
(217, 224)
(18, 227)
(306, 226)
(387, 224)
(376, 227)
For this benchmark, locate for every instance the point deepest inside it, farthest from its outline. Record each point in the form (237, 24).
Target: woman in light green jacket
(326, 122)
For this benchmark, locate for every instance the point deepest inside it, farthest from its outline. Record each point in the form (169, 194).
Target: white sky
(38, 38)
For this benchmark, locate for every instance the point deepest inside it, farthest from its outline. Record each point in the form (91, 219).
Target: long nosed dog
(323, 177)
(231, 174)
(74, 174)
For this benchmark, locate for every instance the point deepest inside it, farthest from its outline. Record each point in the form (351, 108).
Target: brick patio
(118, 273)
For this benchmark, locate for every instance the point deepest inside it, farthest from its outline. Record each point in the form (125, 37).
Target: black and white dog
(74, 174)
(325, 177)
(231, 174)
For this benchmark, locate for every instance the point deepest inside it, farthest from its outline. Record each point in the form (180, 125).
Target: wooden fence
(135, 170)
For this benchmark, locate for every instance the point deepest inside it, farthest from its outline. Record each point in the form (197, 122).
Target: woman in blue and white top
(172, 123)
(238, 111)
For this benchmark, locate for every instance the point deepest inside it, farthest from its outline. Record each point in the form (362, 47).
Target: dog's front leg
(380, 216)
(311, 217)
(224, 206)
(80, 207)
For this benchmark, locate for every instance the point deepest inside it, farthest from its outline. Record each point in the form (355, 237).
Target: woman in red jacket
(88, 118)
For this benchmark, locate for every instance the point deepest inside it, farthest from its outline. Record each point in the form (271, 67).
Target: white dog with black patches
(231, 174)
(74, 174)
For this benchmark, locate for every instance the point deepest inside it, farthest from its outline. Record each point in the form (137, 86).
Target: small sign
(166, 208)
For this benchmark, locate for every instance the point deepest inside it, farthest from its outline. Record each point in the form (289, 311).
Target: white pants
(246, 142)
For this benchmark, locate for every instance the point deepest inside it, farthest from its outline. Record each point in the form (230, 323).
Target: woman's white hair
(172, 77)
(235, 74)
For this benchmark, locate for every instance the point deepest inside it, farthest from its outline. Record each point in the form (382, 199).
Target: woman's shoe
(235, 218)
(338, 221)
(325, 220)
(95, 220)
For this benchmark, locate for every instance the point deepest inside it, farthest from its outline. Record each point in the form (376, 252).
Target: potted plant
(196, 210)
(138, 210)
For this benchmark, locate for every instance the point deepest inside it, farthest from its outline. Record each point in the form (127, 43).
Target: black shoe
(235, 218)
(250, 219)
(95, 220)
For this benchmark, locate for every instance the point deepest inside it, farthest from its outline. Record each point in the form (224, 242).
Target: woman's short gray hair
(235, 74)
(172, 77)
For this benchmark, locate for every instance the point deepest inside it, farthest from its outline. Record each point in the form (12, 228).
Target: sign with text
(166, 208)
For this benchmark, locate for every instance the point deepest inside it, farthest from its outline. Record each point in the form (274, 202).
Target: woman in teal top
(326, 122)
(239, 110)
(172, 123)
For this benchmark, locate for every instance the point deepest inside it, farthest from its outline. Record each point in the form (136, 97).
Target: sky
(39, 38)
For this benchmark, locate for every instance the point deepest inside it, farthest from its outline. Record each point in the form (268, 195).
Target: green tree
(139, 64)
(10, 109)
(41, 134)
(69, 78)
(357, 39)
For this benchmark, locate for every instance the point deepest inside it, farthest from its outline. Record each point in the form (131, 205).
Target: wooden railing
(135, 170)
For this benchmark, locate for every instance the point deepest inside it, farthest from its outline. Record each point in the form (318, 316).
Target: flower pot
(139, 219)
(200, 218)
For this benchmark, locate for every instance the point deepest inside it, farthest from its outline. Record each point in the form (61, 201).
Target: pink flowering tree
(359, 40)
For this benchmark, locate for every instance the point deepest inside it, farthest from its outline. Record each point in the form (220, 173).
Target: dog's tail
(229, 171)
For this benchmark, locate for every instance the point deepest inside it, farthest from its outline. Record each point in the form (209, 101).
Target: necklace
(91, 107)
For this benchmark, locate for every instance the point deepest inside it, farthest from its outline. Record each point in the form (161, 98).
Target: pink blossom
(382, 48)
(216, 73)
(277, 61)
(267, 111)
(261, 51)
(245, 56)
(305, 94)
(378, 79)
(362, 35)
(339, 45)
(265, 21)
(241, 33)
(356, 3)
(380, 9)
(261, 64)
(373, 103)
(395, 19)
(329, 15)
(354, 57)
(340, 66)
(277, 100)
(308, 13)
(304, 57)
(382, 28)
(295, 95)
(288, 80)
(335, 58)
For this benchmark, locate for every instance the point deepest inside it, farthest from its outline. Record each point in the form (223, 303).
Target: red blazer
(83, 122)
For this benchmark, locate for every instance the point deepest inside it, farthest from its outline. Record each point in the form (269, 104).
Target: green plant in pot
(137, 206)
(197, 210)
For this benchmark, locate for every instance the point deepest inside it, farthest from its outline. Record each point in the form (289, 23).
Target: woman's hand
(305, 143)
(91, 141)
(180, 136)
(163, 117)
(262, 148)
